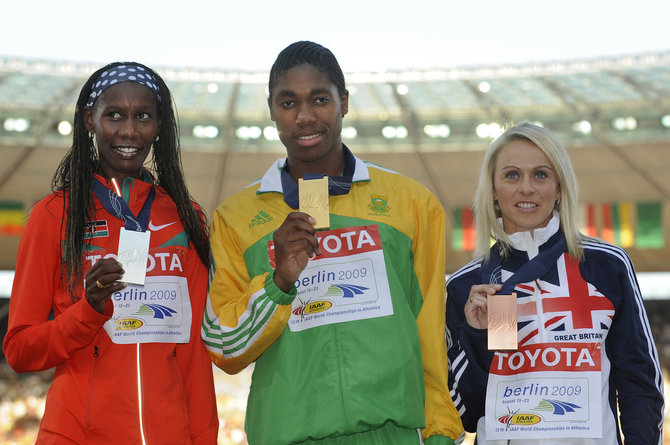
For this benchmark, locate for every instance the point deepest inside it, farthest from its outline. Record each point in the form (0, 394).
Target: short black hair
(311, 53)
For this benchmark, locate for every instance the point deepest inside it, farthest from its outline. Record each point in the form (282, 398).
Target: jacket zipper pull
(95, 351)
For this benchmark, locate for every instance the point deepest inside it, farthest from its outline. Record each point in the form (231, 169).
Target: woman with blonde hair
(583, 342)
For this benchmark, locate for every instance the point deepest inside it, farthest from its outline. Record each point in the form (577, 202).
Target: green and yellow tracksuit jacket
(325, 364)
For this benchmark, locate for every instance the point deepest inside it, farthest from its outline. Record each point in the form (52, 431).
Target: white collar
(530, 244)
(271, 181)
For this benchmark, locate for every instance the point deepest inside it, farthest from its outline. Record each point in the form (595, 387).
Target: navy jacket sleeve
(469, 359)
(636, 374)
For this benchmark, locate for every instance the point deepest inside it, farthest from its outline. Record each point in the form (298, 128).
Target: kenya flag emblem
(96, 229)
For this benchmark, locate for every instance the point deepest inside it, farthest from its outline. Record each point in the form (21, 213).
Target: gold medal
(314, 200)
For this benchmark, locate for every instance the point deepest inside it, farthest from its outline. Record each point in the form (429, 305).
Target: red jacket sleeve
(33, 342)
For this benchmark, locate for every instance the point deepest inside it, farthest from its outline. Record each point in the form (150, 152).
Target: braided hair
(305, 52)
(75, 175)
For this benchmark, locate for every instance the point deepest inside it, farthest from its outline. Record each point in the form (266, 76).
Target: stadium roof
(613, 115)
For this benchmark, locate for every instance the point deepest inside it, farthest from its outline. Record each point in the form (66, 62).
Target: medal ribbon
(530, 271)
(337, 185)
(115, 205)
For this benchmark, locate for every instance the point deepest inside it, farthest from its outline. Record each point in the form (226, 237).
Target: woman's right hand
(102, 280)
(476, 308)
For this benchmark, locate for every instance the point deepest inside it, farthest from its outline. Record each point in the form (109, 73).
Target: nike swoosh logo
(156, 228)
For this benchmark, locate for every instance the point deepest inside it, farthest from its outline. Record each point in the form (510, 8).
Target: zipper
(96, 354)
(538, 305)
(139, 396)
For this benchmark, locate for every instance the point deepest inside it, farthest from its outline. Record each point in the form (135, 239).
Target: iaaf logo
(308, 308)
(520, 419)
(128, 324)
(513, 418)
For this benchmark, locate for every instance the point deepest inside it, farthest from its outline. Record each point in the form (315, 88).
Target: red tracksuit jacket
(103, 393)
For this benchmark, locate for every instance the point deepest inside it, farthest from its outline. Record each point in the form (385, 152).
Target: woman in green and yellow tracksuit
(345, 324)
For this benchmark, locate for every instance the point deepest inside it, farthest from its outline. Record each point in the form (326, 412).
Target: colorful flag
(607, 228)
(617, 224)
(625, 224)
(463, 236)
(649, 231)
(96, 229)
(12, 218)
(569, 303)
(589, 223)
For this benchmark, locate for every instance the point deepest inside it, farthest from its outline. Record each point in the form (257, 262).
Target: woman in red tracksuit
(130, 365)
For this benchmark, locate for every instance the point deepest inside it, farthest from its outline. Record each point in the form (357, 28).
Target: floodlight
(349, 133)
(495, 130)
(437, 131)
(484, 87)
(491, 130)
(271, 134)
(399, 132)
(18, 124)
(583, 127)
(211, 131)
(205, 131)
(64, 128)
(246, 133)
(624, 123)
(388, 132)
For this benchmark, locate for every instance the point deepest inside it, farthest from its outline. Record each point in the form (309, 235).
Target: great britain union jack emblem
(571, 307)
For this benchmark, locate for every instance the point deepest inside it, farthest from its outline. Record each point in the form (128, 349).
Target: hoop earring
(154, 143)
